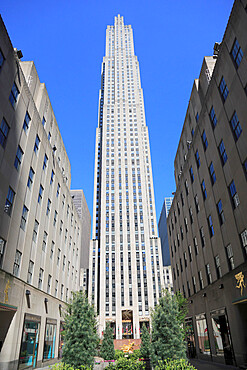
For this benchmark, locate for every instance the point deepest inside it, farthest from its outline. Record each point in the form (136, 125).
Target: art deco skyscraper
(125, 255)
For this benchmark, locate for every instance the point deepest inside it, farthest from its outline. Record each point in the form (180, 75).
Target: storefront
(50, 339)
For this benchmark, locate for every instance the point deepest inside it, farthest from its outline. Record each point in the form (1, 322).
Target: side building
(207, 221)
(40, 229)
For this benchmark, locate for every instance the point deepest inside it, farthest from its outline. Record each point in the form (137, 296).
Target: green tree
(167, 330)
(145, 343)
(80, 334)
(107, 351)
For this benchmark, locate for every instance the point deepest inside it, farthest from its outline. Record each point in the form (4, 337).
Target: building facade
(125, 255)
(40, 229)
(163, 232)
(207, 221)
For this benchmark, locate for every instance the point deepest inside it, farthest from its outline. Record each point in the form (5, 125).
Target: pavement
(209, 365)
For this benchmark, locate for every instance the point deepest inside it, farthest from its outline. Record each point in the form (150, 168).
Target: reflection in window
(49, 342)
(202, 333)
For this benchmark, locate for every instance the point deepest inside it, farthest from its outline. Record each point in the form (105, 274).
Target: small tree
(167, 330)
(145, 343)
(107, 351)
(80, 334)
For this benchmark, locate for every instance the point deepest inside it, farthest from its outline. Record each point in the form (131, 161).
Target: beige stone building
(40, 229)
(207, 221)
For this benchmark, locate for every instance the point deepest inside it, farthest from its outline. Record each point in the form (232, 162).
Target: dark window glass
(213, 117)
(198, 162)
(18, 158)
(208, 273)
(36, 144)
(41, 189)
(222, 151)
(43, 121)
(210, 225)
(234, 194)
(191, 174)
(204, 140)
(245, 167)
(218, 268)
(30, 178)
(220, 212)
(24, 218)
(4, 131)
(9, 201)
(14, 95)
(212, 173)
(197, 203)
(236, 53)
(26, 122)
(202, 235)
(45, 162)
(204, 191)
(230, 259)
(223, 89)
(192, 132)
(197, 117)
(236, 127)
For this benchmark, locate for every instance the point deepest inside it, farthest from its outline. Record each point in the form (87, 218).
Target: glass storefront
(190, 338)
(30, 342)
(50, 339)
(202, 333)
(222, 335)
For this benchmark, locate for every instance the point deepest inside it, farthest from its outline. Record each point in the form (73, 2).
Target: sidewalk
(206, 365)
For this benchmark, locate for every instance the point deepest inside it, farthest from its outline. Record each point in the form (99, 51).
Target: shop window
(50, 339)
(202, 333)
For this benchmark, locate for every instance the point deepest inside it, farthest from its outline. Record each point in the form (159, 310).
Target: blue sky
(66, 40)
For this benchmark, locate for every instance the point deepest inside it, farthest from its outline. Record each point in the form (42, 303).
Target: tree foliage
(145, 343)
(167, 329)
(80, 334)
(107, 351)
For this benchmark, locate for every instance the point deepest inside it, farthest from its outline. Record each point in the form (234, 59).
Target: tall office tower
(125, 254)
(167, 204)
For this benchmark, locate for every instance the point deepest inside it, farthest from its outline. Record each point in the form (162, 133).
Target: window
(41, 189)
(9, 201)
(223, 89)
(4, 131)
(1, 59)
(49, 136)
(55, 218)
(234, 195)
(218, 268)
(2, 250)
(30, 178)
(17, 263)
(58, 256)
(40, 281)
(197, 203)
(245, 167)
(201, 283)
(191, 174)
(213, 117)
(202, 235)
(229, 254)
(14, 95)
(210, 225)
(236, 53)
(35, 230)
(43, 121)
(198, 162)
(49, 284)
(24, 218)
(195, 246)
(190, 253)
(197, 117)
(212, 173)
(52, 177)
(208, 273)
(30, 272)
(204, 191)
(36, 144)
(222, 151)
(58, 190)
(18, 158)
(191, 215)
(204, 140)
(186, 224)
(186, 187)
(220, 212)
(26, 122)
(48, 207)
(44, 241)
(45, 162)
(52, 249)
(243, 236)
(192, 132)
(235, 125)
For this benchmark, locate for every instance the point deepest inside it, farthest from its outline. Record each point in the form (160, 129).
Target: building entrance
(30, 342)
(190, 338)
(127, 324)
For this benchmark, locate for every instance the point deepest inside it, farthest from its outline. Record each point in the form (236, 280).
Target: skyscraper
(125, 254)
